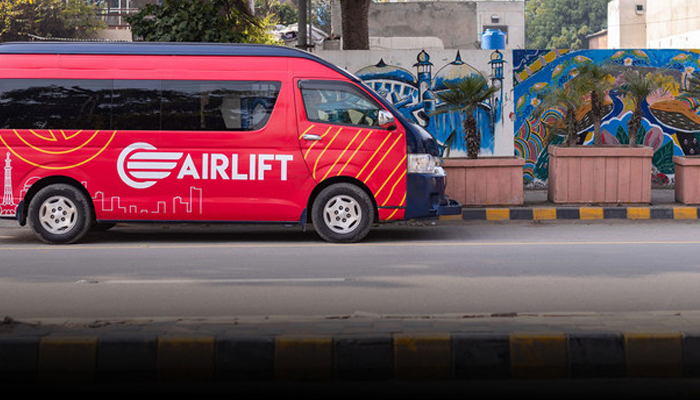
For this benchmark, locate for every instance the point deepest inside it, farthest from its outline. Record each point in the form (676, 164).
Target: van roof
(163, 49)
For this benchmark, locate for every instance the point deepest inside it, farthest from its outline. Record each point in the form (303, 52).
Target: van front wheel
(59, 214)
(342, 213)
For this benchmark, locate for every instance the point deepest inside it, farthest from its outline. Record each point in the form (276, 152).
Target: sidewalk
(536, 207)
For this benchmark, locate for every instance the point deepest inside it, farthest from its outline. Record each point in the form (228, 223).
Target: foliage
(563, 24)
(637, 87)
(222, 21)
(466, 96)
(568, 98)
(595, 80)
(283, 14)
(47, 18)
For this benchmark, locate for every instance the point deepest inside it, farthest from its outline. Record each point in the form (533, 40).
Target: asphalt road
(408, 268)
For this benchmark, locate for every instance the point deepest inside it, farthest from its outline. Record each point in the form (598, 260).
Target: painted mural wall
(509, 123)
(669, 125)
(411, 81)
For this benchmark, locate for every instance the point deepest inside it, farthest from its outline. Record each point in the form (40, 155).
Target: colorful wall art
(670, 124)
(412, 80)
(509, 123)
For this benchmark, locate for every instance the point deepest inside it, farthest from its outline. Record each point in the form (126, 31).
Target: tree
(19, 19)
(563, 24)
(355, 24)
(637, 87)
(569, 99)
(595, 80)
(284, 14)
(465, 96)
(223, 21)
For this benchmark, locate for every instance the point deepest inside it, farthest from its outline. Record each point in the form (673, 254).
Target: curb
(575, 213)
(461, 356)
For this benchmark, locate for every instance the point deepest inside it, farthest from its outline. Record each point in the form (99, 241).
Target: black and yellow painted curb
(455, 356)
(576, 213)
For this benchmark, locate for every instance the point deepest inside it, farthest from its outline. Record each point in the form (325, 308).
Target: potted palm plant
(598, 173)
(687, 167)
(595, 81)
(636, 87)
(475, 181)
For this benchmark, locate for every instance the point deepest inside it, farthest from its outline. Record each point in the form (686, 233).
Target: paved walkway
(536, 206)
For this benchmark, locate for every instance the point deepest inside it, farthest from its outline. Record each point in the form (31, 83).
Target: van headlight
(424, 164)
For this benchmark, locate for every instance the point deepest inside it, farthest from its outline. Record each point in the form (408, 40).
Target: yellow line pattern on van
(354, 152)
(306, 131)
(390, 175)
(314, 143)
(324, 150)
(371, 158)
(71, 136)
(378, 165)
(341, 154)
(48, 139)
(386, 153)
(54, 140)
(391, 193)
(61, 167)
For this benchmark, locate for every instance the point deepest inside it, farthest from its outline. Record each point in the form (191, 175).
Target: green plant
(19, 19)
(227, 21)
(595, 80)
(568, 99)
(465, 96)
(637, 87)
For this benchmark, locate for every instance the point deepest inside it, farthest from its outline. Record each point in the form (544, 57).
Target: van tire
(342, 213)
(60, 214)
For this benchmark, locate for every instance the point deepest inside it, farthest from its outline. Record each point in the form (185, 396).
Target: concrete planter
(687, 185)
(594, 174)
(485, 181)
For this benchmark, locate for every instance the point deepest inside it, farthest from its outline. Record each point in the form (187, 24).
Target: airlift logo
(141, 165)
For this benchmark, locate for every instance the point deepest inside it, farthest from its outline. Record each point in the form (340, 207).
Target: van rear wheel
(342, 213)
(59, 214)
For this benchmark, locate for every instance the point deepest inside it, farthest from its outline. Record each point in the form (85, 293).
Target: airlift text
(221, 166)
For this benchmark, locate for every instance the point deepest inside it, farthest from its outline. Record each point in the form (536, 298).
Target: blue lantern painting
(415, 96)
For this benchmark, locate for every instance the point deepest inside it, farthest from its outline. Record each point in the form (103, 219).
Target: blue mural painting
(671, 124)
(415, 96)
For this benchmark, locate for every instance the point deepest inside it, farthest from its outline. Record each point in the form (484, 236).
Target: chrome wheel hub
(342, 214)
(58, 214)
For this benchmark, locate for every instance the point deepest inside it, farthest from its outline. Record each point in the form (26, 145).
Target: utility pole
(302, 37)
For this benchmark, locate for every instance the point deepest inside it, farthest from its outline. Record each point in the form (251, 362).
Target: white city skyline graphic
(8, 206)
(190, 203)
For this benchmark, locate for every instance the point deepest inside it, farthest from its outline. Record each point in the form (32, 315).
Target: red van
(97, 133)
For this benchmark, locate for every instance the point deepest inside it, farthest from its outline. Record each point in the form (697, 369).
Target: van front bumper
(425, 197)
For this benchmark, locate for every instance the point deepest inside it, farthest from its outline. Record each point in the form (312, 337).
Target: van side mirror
(386, 120)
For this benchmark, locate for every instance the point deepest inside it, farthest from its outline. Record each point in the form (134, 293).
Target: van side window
(136, 105)
(338, 103)
(131, 104)
(218, 105)
(55, 104)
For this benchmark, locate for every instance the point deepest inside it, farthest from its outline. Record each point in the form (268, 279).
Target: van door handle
(311, 137)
